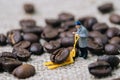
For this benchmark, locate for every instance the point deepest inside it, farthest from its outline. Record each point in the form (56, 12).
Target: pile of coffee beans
(104, 65)
(104, 40)
(59, 40)
(10, 62)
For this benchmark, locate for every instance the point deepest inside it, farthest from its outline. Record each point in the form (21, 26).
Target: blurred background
(11, 12)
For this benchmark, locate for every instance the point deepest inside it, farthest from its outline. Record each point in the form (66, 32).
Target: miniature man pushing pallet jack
(80, 35)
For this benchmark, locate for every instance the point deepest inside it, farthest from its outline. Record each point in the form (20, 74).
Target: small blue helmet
(77, 23)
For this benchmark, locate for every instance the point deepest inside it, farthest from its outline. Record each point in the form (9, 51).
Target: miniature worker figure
(83, 34)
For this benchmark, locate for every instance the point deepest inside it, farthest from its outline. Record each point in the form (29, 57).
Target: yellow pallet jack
(69, 60)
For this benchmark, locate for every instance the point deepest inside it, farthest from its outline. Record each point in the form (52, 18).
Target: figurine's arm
(83, 34)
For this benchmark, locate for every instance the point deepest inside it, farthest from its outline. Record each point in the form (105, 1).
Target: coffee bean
(8, 55)
(60, 55)
(100, 69)
(27, 23)
(93, 34)
(53, 22)
(36, 48)
(101, 40)
(115, 40)
(29, 8)
(9, 64)
(24, 71)
(67, 41)
(72, 30)
(112, 49)
(111, 59)
(2, 39)
(22, 54)
(23, 44)
(51, 46)
(65, 17)
(111, 32)
(95, 48)
(68, 25)
(101, 27)
(82, 19)
(89, 22)
(106, 8)
(66, 34)
(36, 30)
(14, 37)
(115, 18)
(30, 37)
(50, 34)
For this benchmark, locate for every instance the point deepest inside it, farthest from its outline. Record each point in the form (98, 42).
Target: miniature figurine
(83, 34)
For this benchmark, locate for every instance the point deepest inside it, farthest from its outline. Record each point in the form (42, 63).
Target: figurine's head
(78, 24)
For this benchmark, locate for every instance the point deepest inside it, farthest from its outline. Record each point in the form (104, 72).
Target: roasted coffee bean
(14, 37)
(112, 49)
(111, 59)
(27, 23)
(24, 71)
(53, 22)
(50, 34)
(72, 29)
(95, 48)
(2, 39)
(67, 41)
(30, 37)
(65, 17)
(115, 18)
(36, 48)
(9, 64)
(101, 40)
(94, 34)
(23, 44)
(89, 22)
(36, 30)
(66, 34)
(111, 32)
(51, 46)
(22, 54)
(82, 19)
(68, 25)
(105, 8)
(100, 69)
(60, 55)
(101, 27)
(8, 55)
(115, 40)
(29, 8)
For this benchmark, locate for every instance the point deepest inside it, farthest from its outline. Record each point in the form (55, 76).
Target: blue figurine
(83, 33)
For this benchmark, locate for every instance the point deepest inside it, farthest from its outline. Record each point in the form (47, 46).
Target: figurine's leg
(81, 52)
(85, 53)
